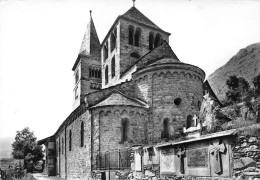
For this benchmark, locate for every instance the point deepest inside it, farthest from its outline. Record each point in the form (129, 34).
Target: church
(133, 98)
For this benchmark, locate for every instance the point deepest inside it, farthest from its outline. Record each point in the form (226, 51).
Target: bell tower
(131, 37)
(87, 67)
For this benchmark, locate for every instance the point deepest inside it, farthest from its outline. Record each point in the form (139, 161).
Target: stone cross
(215, 149)
(195, 119)
(181, 154)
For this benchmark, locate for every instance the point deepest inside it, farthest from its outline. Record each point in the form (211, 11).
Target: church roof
(160, 53)
(133, 14)
(117, 98)
(90, 45)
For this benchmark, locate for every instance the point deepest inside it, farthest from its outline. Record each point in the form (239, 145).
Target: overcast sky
(40, 40)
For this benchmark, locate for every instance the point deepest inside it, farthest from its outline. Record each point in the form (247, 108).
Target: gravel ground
(40, 176)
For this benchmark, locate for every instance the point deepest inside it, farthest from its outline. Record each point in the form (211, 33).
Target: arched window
(70, 140)
(189, 122)
(199, 105)
(113, 68)
(137, 37)
(131, 35)
(165, 133)
(158, 40)
(105, 52)
(106, 75)
(62, 145)
(151, 41)
(124, 123)
(82, 134)
(112, 42)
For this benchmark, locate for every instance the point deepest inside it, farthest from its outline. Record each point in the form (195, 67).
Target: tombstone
(215, 150)
(181, 154)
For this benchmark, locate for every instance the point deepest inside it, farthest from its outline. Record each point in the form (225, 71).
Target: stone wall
(74, 163)
(107, 128)
(246, 155)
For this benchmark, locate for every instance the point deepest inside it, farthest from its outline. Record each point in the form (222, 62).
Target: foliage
(256, 83)
(237, 89)
(25, 146)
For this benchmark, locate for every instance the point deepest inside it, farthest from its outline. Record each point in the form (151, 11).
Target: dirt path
(40, 176)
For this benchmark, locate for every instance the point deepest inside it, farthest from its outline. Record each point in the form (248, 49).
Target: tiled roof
(117, 98)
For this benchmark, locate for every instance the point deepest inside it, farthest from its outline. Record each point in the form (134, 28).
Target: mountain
(245, 63)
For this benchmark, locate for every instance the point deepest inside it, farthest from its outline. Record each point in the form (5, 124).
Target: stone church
(132, 98)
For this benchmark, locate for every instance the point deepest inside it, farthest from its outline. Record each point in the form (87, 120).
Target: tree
(238, 88)
(25, 146)
(256, 83)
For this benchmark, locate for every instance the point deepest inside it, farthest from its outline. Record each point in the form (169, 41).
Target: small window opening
(158, 40)
(137, 37)
(199, 105)
(105, 52)
(131, 35)
(165, 133)
(151, 41)
(82, 134)
(106, 75)
(177, 101)
(112, 42)
(190, 122)
(70, 140)
(124, 130)
(113, 68)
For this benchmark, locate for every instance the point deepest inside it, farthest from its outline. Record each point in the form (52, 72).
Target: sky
(40, 41)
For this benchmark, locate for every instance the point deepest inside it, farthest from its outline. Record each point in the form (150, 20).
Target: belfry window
(189, 122)
(137, 37)
(113, 68)
(151, 40)
(82, 134)
(158, 40)
(106, 75)
(131, 35)
(105, 52)
(76, 76)
(112, 42)
(70, 140)
(124, 123)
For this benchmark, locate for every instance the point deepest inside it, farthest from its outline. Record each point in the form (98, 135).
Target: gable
(118, 99)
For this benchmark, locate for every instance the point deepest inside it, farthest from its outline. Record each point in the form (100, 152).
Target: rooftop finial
(133, 3)
(90, 12)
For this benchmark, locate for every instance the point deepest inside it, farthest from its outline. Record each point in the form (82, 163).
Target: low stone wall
(246, 156)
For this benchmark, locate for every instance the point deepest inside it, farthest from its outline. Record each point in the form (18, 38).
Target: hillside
(245, 63)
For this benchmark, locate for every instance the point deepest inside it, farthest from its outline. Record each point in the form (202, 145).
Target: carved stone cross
(215, 149)
(181, 154)
(195, 119)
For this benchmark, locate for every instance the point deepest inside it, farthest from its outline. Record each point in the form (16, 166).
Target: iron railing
(114, 160)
